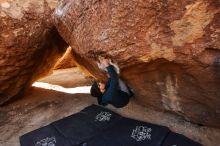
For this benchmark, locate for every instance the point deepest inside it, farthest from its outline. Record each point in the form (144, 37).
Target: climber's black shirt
(113, 95)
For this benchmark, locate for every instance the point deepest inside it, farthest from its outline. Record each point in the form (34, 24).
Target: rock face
(29, 45)
(66, 61)
(168, 51)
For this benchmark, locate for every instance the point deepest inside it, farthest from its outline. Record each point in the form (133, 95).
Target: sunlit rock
(66, 61)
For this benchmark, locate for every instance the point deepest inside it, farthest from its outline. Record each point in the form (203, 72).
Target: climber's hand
(104, 61)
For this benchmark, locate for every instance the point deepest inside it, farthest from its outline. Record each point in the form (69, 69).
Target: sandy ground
(40, 107)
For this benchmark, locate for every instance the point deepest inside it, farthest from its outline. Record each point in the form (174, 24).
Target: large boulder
(29, 45)
(168, 51)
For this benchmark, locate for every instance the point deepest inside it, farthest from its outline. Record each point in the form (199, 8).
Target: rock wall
(168, 51)
(29, 46)
(66, 61)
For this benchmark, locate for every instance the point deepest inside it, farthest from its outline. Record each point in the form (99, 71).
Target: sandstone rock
(66, 61)
(168, 51)
(29, 45)
(52, 3)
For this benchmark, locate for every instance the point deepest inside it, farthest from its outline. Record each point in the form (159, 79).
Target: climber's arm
(112, 89)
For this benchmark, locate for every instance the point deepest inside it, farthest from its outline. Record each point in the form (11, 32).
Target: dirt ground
(40, 107)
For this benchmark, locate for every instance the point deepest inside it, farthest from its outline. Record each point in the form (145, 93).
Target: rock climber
(114, 91)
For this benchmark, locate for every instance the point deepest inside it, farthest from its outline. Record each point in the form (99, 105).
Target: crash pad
(129, 132)
(98, 126)
(175, 139)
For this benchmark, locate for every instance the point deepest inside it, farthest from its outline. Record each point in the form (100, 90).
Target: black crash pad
(98, 126)
(129, 132)
(175, 139)
(86, 124)
(45, 136)
(74, 129)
